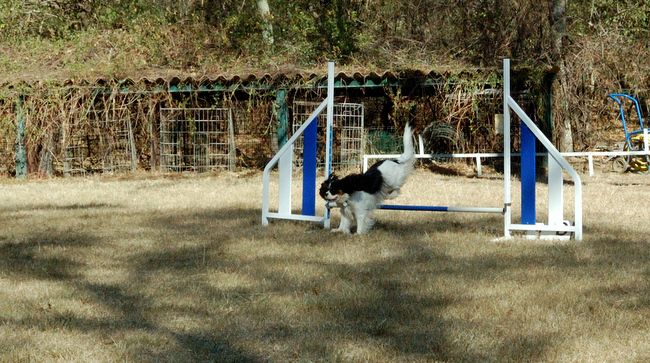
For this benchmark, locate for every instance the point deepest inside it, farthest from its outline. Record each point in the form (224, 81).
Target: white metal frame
(590, 155)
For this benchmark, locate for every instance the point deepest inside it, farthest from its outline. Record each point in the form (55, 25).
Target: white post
(286, 170)
(555, 193)
(330, 118)
(645, 140)
(507, 195)
(328, 132)
(421, 144)
(590, 159)
(266, 175)
(478, 166)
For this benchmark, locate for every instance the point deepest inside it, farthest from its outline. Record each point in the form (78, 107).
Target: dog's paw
(341, 230)
(393, 194)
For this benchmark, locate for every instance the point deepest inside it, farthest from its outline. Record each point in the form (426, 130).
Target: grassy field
(161, 268)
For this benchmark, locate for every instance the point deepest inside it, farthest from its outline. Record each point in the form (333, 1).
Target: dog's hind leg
(392, 194)
(364, 222)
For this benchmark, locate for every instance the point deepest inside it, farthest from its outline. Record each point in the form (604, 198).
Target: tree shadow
(391, 313)
(27, 258)
(57, 257)
(64, 207)
(394, 302)
(619, 255)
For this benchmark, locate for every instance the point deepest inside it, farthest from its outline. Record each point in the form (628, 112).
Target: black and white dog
(358, 195)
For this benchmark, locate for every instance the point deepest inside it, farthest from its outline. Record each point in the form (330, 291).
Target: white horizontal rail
(585, 154)
(295, 217)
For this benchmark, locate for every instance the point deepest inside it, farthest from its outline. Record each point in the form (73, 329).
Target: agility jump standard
(284, 159)
(556, 227)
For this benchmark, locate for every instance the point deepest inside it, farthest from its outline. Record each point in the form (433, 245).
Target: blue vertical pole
(528, 176)
(310, 137)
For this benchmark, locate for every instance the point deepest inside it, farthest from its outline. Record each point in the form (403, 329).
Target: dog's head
(330, 190)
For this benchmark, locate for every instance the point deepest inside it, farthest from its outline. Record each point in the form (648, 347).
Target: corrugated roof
(264, 78)
(288, 77)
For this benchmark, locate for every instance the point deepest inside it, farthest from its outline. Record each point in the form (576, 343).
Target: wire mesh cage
(253, 141)
(115, 138)
(196, 139)
(76, 150)
(102, 141)
(7, 142)
(348, 133)
(383, 140)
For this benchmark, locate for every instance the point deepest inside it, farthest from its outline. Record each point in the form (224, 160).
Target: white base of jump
(542, 227)
(295, 217)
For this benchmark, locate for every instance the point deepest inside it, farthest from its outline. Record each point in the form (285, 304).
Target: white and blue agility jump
(555, 228)
(284, 159)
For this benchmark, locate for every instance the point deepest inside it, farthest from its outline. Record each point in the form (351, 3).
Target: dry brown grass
(180, 269)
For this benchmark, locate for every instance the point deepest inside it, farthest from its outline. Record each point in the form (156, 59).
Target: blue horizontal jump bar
(428, 208)
(437, 208)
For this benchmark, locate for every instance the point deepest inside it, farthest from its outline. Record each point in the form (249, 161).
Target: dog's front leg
(346, 221)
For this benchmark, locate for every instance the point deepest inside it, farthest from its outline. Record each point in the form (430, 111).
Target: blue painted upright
(528, 175)
(309, 161)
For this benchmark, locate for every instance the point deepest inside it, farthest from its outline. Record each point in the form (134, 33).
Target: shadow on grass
(379, 305)
(29, 258)
(627, 258)
(57, 257)
(64, 207)
(295, 304)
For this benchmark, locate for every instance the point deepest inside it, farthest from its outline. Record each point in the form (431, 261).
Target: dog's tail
(408, 156)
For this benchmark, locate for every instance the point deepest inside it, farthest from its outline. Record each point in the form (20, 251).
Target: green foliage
(631, 18)
(478, 31)
(337, 27)
(61, 19)
(312, 30)
(606, 42)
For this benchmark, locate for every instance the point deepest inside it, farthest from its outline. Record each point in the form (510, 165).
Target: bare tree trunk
(558, 25)
(562, 102)
(265, 12)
